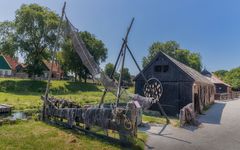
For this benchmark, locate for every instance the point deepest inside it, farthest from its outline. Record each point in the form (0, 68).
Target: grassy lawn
(38, 135)
(25, 94)
(160, 120)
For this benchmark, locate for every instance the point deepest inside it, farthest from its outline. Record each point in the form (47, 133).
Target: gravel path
(220, 130)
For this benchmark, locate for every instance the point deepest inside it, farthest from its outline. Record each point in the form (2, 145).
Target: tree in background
(7, 38)
(172, 48)
(33, 33)
(231, 77)
(220, 74)
(126, 76)
(72, 62)
(109, 69)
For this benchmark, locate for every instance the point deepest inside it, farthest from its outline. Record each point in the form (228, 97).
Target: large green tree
(172, 48)
(71, 62)
(233, 78)
(7, 38)
(33, 33)
(109, 69)
(220, 74)
(126, 76)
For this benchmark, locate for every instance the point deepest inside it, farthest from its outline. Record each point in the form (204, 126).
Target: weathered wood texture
(226, 96)
(5, 108)
(178, 82)
(121, 119)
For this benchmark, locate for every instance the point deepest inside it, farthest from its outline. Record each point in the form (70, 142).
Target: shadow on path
(214, 114)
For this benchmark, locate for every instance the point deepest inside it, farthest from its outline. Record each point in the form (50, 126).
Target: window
(161, 68)
(158, 68)
(165, 68)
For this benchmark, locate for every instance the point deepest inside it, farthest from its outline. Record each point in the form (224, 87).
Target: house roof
(11, 61)
(214, 79)
(195, 75)
(56, 66)
(4, 64)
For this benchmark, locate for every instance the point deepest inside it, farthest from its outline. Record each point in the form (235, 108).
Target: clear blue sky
(210, 27)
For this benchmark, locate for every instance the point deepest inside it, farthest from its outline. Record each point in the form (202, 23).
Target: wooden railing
(226, 96)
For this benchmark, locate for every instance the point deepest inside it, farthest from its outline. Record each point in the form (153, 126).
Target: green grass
(38, 135)
(25, 94)
(160, 120)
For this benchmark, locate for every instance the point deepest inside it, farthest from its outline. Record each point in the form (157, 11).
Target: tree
(126, 76)
(192, 60)
(33, 33)
(233, 78)
(36, 30)
(71, 60)
(109, 69)
(7, 38)
(172, 48)
(221, 73)
(169, 47)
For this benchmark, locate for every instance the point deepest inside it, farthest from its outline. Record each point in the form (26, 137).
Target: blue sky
(211, 28)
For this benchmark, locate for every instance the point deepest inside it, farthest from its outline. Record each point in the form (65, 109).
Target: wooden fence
(227, 96)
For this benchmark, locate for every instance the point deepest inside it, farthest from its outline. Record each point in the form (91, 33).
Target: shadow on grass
(95, 136)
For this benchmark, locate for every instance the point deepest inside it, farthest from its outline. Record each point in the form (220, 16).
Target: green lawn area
(24, 94)
(160, 120)
(28, 135)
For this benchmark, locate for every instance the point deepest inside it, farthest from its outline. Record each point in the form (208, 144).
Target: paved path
(220, 130)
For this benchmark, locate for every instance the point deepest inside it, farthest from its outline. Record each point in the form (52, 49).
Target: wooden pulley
(153, 89)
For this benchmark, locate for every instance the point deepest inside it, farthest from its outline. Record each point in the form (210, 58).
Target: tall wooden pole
(123, 61)
(55, 48)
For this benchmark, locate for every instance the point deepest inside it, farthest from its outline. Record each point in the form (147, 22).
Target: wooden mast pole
(55, 48)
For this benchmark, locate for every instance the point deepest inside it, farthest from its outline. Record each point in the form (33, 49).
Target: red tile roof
(11, 61)
(56, 66)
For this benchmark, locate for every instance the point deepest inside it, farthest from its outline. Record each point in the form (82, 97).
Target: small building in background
(181, 85)
(10, 67)
(57, 72)
(222, 89)
(5, 67)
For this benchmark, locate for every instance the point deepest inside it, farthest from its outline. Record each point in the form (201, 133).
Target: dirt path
(220, 130)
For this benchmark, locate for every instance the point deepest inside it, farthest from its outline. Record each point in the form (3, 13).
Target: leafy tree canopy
(33, 33)
(72, 62)
(220, 73)
(172, 48)
(231, 77)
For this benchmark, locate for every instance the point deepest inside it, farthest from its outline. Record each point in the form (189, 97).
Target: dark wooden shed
(181, 84)
(220, 86)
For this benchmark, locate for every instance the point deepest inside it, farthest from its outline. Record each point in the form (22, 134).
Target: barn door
(170, 98)
(196, 103)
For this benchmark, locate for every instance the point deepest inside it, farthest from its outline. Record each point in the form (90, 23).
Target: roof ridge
(197, 76)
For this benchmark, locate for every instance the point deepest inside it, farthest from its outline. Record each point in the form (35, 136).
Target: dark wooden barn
(181, 84)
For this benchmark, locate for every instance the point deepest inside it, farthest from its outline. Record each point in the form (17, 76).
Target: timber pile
(5, 108)
(188, 116)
